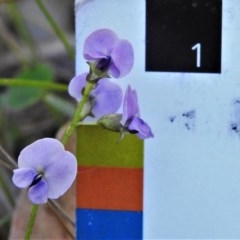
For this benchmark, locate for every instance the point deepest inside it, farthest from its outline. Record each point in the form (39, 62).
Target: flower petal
(40, 154)
(130, 105)
(60, 174)
(38, 194)
(142, 128)
(76, 86)
(108, 98)
(99, 44)
(23, 177)
(122, 58)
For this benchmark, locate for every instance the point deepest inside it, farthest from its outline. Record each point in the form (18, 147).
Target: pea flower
(104, 99)
(130, 120)
(109, 53)
(131, 116)
(46, 169)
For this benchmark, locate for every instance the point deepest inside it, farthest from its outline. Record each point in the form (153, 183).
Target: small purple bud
(131, 120)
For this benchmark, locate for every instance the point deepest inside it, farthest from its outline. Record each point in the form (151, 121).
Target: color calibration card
(186, 73)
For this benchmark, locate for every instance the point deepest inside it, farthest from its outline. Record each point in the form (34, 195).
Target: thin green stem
(31, 222)
(78, 113)
(6, 190)
(31, 83)
(8, 158)
(12, 44)
(10, 164)
(18, 20)
(5, 164)
(56, 29)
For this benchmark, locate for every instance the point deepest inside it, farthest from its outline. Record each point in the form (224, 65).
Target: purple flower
(109, 53)
(104, 99)
(46, 169)
(131, 120)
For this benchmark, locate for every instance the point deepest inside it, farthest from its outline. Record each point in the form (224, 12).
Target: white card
(191, 99)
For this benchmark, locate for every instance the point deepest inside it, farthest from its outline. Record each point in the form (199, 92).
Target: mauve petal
(142, 128)
(23, 177)
(108, 98)
(60, 174)
(40, 154)
(113, 70)
(122, 58)
(76, 86)
(99, 44)
(130, 105)
(38, 194)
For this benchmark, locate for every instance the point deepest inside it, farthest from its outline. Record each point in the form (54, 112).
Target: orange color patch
(110, 188)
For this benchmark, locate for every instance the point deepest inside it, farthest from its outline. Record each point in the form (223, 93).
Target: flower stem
(31, 83)
(56, 29)
(20, 25)
(12, 44)
(8, 158)
(78, 117)
(6, 191)
(31, 222)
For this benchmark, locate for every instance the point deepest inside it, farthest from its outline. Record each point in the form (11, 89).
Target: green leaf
(18, 98)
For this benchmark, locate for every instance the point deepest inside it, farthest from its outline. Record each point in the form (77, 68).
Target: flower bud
(111, 122)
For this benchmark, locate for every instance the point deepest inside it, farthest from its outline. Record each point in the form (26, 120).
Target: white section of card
(192, 165)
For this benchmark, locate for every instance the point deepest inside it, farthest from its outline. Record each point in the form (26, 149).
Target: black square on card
(183, 35)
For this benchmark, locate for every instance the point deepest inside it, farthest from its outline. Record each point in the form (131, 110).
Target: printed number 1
(197, 47)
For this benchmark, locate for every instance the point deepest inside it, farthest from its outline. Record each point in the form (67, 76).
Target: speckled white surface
(192, 166)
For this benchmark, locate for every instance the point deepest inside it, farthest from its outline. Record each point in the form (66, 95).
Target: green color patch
(100, 147)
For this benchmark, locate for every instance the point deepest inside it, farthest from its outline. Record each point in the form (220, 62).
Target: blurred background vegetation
(36, 46)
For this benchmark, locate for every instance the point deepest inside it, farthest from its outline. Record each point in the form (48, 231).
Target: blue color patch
(108, 224)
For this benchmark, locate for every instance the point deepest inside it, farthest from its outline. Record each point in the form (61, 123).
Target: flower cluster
(107, 56)
(46, 169)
